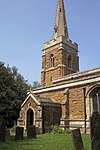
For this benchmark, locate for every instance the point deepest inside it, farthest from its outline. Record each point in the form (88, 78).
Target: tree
(13, 90)
(36, 84)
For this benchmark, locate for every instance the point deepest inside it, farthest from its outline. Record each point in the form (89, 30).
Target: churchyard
(44, 142)
(57, 139)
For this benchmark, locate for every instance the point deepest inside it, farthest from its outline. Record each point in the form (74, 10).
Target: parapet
(58, 40)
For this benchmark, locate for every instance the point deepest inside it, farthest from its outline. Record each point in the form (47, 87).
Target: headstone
(77, 139)
(2, 129)
(19, 133)
(95, 130)
(31, 132)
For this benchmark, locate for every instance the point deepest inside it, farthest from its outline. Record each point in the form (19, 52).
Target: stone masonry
(69, 94)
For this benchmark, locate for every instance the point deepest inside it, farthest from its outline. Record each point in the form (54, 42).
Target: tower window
(50, 79)
(69, 61)
(52, 60)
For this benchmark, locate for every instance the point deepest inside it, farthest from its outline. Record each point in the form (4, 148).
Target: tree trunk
(2, 129)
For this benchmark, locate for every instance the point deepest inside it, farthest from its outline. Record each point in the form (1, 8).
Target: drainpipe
(84, 91)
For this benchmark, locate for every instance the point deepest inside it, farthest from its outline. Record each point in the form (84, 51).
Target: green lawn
(44, 142)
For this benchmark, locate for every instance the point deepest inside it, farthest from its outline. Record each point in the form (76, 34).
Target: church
(67, 97)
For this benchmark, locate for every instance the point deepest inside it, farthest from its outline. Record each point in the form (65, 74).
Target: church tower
(60, 55)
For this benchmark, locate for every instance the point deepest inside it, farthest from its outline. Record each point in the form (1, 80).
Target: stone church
(67, 97)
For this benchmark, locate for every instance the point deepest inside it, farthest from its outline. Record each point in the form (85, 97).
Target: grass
(44, 142)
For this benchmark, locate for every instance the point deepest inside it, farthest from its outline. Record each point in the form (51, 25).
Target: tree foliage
(13, 90)
(36, 84)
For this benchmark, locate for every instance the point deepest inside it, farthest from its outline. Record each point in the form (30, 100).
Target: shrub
(68, 131)
(58, 130)
(13, 129)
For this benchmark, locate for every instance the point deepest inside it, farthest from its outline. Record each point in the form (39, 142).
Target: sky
(26, 24)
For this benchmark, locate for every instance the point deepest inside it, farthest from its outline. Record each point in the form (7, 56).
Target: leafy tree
(13, 90)
(36, 84)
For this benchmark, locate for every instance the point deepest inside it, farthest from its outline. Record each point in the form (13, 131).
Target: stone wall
(61, 52)
(30, 104)
(59, 96)
(72, 102)
(76, 103)
(45, 115)
(72, 105)
(50, 73)
(74, 58)
(72, 110)
(51, 116)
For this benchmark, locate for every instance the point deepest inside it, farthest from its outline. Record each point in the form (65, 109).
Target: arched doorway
(30, 117)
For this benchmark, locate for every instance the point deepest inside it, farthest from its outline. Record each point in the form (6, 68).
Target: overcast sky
(26, 24)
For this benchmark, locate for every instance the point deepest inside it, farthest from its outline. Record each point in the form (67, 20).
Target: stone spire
(60, 27)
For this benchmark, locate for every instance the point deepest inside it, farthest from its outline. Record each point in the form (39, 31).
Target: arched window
(95, 99)
(94, 102)
(52, 60)
(69, 61)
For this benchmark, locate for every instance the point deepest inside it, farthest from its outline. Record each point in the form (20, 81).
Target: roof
(40, 100)
(72, 80)
(44, 99)
(88, 74)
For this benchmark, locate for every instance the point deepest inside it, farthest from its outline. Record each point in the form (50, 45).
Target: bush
(58, 130)
(7, 132)
(13, 129)
(68, 131)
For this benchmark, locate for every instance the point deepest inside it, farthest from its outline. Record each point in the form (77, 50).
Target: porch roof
(41, 100)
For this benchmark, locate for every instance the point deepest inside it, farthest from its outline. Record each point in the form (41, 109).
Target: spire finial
(60, 27)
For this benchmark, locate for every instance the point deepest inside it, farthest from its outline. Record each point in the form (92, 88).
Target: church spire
(60, 27)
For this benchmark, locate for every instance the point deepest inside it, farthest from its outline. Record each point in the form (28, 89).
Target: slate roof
(40, 100)
(45, 100)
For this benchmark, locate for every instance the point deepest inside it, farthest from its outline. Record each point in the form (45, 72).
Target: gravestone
(95, 130)
(19, 133)
(31, 132)
(77, 139)
(2, 129)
